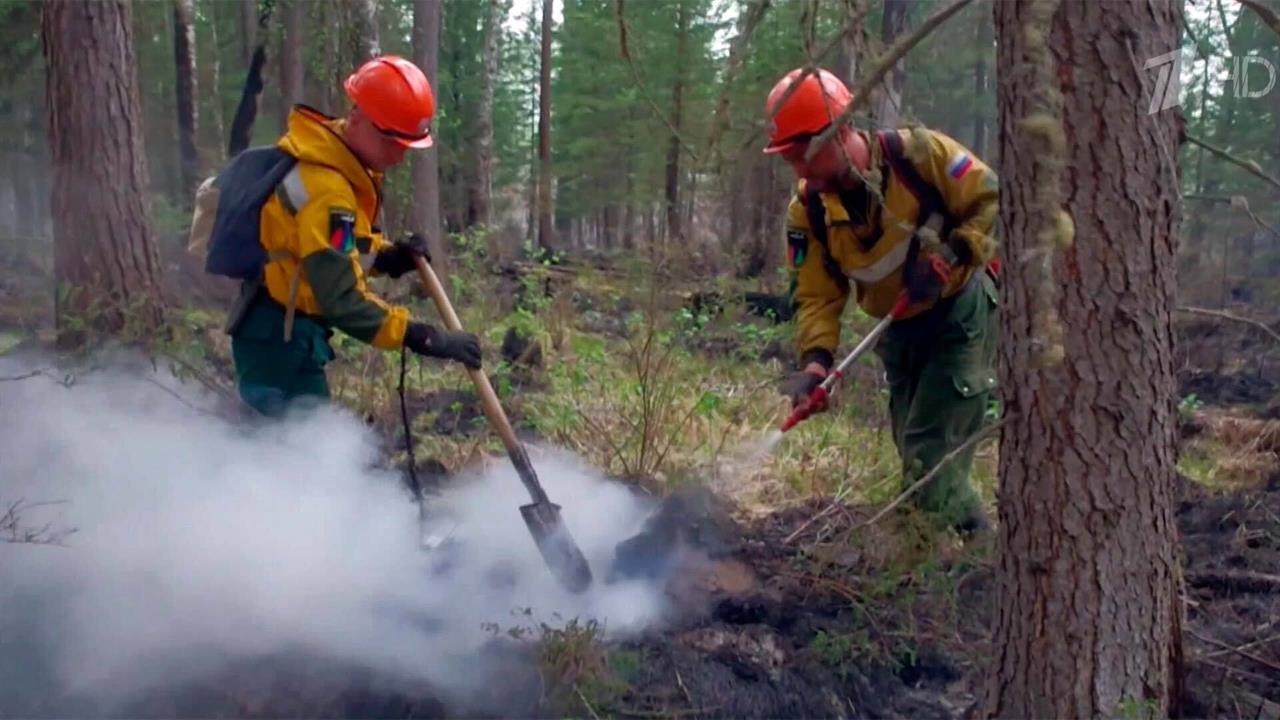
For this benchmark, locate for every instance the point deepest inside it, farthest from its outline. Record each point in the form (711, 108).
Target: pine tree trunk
(248, 30)
(368, 37)
(427, 16)
(853, 48)
(1088, 620)
(105, 258)
(482, 184)
(184, 57)
(674, 232)
(546, 203)
(290, 64)
(980, 95)
(211, 79)
(889, 100)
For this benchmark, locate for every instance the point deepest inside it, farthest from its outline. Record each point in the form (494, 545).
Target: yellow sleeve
(970, 190)
(331, 263)
(819, 299)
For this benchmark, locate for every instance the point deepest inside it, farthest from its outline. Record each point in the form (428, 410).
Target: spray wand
(818, 398)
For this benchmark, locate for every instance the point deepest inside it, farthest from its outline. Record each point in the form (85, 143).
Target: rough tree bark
(184, 60)
(889, 97)
(546, 203)
(1088, 620)
(105, 258)
(290, 61)
(675, 235)
(482, 183)
(368, 38)
(425, 215)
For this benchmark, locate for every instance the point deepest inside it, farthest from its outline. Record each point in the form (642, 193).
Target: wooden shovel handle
(488, 398)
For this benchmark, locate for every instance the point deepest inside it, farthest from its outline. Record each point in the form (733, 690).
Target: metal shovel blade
(558, 549)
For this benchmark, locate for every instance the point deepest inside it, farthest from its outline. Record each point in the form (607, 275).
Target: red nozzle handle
(900, 306)
(815, 402)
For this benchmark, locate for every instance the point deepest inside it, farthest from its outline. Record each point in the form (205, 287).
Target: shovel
(542, 516)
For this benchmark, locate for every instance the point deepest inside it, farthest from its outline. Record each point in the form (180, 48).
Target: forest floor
(788, 602)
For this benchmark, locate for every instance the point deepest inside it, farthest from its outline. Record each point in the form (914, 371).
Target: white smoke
(197, 538)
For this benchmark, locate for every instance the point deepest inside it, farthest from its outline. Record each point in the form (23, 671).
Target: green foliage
(1133, 709)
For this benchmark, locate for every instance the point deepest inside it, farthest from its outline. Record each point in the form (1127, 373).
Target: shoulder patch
(797, 246)
(342, 229)
(959, 165)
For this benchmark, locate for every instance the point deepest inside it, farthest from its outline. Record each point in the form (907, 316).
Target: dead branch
(1237, 650)
(1269, 16)
(720, 120)
(635, 75)
(65, 381)
(1235, 581)
(861, 91)
(1252, 167)
(1228, 316)
(13, 532)
(974, 439)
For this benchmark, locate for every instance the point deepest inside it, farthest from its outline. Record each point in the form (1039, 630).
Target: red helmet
(396, 96)
(819, 99)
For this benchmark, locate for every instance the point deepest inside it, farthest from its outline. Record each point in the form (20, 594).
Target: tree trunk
(184, 58)
(1088, 620)
(295, 15)
(546, 203)
(215, 129)
(426, 165)
(105, 258)
(368, 37)
(672, 194)
(980, 89)
(482, 184)
(853, 48)
(889, 101)
(248, 30)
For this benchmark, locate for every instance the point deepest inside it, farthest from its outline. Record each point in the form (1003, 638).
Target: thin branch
(172, 393)
(737, 50)
(974, 439)
(583, 698)
(855, 22)
(1228, 316)
(635, 75)
(882, 68)
(65, 381)
(1237, 650)
(1251, 166)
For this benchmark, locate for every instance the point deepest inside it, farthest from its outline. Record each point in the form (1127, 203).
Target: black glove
(399, 258)
(931, 273)
(799, 385)
(431, 341)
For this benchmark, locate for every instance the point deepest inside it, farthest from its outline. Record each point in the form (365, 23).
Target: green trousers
(940, 369)
(273, 375)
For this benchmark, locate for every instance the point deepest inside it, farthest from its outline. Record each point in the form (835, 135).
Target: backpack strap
(930, 200)
(816, 212)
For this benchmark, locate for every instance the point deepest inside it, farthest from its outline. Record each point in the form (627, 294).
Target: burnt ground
(789, 617)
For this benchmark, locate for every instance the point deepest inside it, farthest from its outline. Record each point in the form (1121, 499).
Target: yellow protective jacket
(319, 226)
(870, 241)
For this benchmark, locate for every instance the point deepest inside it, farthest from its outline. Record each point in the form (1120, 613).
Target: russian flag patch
(960, 165)
(342, 229)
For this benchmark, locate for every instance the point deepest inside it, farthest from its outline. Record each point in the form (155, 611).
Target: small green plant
(1132, 709)
(1190, 405)
(838, 650)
